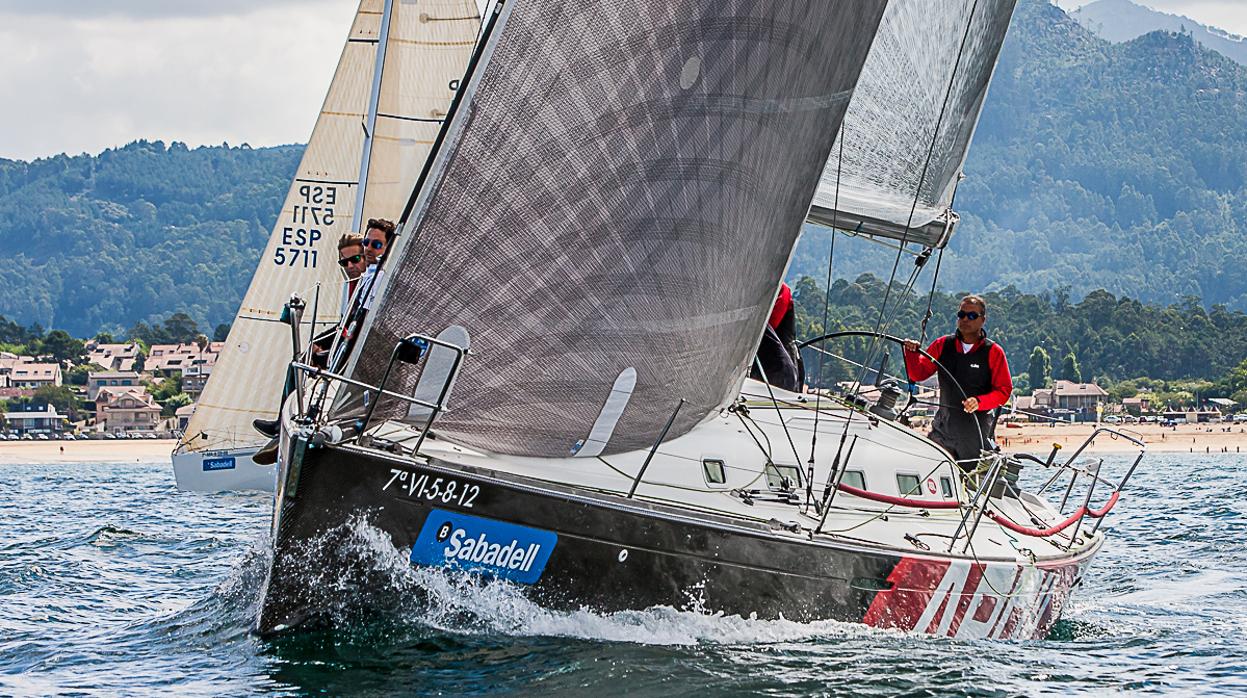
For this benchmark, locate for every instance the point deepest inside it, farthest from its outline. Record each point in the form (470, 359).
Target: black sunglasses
(374, 244)
(972, 315)
(353, 259)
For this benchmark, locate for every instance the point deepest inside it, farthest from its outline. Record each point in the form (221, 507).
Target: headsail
(899, 114)
(613, 208)
(427, 49)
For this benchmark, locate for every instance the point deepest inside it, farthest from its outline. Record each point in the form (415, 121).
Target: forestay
(899, 114)
(612, 212)
(426, 52)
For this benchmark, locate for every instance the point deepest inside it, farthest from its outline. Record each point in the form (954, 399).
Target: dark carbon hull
(572, 548)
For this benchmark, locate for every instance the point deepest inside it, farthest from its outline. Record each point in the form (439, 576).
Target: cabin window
(946, 486)
(854, 478)
(907, 484)
(715, 471)
(783, 477)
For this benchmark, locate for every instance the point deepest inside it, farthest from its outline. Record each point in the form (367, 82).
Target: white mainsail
(394, 82)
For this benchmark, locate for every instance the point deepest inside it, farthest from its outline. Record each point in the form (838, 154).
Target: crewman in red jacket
(974, 383)
(777, 352)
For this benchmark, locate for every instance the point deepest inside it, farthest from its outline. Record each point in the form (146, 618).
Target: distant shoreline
(93, 451)
(1036, 439)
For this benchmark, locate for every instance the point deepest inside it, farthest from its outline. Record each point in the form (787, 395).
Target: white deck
(882, 450)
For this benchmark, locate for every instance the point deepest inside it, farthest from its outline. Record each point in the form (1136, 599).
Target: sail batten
(419, 63)
(621, 189)
(909, 126)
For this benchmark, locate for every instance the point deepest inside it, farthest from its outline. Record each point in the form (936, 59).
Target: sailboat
(552, 388)
(393, 85)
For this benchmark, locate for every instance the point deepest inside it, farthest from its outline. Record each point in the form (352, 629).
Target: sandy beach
(1036, 439)
(93, 451)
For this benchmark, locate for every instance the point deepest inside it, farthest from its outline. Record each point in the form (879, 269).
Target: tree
(104, 338)
(170, 406)
(1069, 368)
(1039, 370)
(78, 374)
(61, 347)
(61, 397)
(221, 333)
(166, 388)
(180, 328)
(141, 331)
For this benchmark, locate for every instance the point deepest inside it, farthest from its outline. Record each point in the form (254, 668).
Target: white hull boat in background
(394, 83)
(215, 471)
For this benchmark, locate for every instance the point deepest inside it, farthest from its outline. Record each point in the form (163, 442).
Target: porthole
(854, 478)
(714, 470)
(907, 484)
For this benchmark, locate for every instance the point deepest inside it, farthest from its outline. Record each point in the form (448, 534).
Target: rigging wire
(935, 277)
(831, 257)
(771, 391)
(926, 165)
(879, 324)
(827, 292)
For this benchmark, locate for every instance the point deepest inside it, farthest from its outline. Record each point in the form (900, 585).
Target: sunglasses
(374, 244)
(353, 259)
(972, 315)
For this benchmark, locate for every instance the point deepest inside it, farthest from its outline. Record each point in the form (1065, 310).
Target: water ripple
(152, 591)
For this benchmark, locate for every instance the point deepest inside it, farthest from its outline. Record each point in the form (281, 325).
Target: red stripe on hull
(965, 599)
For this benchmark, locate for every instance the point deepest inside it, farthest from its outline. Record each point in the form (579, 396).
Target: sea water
(112, 582)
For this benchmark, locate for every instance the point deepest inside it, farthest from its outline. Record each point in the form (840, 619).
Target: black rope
(926, 317)
(877, 344)
(831, 257)
(771, 391)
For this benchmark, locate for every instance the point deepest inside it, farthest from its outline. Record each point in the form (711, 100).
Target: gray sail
(612, 211)
(886, 186)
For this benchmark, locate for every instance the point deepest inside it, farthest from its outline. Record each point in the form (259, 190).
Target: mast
(370, 120)
(393, 83)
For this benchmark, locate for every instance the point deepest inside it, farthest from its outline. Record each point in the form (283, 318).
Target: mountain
(136, 233)
(1095, 165)
(1122, 20)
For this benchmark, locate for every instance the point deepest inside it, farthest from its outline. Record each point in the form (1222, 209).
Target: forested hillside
(135, 233)
(1111, 339)
(1095, 165)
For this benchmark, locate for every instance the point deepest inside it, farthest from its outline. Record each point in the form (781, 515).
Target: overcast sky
(85, 75)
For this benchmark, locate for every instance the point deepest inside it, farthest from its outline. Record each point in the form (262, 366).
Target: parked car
(1240, 418)
(1112, 419)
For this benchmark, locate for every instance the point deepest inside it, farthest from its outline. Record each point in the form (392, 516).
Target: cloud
(1230, 15)
(151, 9)
(89, 82)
